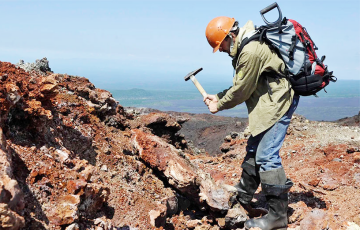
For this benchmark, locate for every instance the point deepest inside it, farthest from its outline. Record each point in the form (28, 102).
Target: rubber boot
(275, 186)
(248, 184)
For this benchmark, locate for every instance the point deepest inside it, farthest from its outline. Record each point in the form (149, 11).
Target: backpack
(305, 71)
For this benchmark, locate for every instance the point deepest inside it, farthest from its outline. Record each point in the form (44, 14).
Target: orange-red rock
(59, 131)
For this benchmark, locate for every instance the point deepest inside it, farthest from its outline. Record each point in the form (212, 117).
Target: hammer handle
(198, 86)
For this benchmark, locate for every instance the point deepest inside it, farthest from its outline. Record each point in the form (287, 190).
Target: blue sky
(154, 44)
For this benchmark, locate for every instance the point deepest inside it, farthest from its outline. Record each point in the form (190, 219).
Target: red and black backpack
(305, 71)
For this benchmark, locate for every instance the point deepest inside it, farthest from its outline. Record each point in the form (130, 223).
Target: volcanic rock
(10, 219)
(39, 67)
(71, 157)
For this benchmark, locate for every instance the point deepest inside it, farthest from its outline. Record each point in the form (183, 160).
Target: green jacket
(253, 68)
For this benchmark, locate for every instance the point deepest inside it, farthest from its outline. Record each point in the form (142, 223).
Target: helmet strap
(231, 44)
(233, 29)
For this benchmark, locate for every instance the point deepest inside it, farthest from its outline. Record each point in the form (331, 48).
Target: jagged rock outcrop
(180, 173)
(11, 197)
(39, 67)
(77, 156)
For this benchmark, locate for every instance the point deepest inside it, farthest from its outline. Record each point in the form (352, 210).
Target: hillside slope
(73, 158)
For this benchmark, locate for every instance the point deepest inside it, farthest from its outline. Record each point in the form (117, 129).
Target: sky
(154, 44)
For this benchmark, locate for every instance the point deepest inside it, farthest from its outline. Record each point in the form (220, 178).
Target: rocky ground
(322, 159)
(74, 158)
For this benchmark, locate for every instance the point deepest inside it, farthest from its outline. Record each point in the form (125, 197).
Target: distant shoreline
(342, 100)
(315, 109)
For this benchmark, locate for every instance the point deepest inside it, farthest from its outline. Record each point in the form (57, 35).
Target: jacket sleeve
(244, 82)
(222, 94)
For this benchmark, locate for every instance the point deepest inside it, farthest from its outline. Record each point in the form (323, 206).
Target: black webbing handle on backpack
(267, 9)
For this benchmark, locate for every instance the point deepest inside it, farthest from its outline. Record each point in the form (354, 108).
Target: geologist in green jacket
(259, 82)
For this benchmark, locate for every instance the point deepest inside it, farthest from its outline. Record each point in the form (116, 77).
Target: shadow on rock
(308, 198)
(26, 130)
(21, 172)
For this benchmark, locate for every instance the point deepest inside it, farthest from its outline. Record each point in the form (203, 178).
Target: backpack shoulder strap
(258, 35)
(244, 42)
(247, 40)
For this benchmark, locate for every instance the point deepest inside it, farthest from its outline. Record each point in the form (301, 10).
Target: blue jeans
(264, 147)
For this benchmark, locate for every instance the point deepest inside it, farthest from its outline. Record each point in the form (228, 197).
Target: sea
(341, 100)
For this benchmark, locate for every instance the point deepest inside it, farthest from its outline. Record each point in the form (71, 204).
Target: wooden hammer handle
(198, 86)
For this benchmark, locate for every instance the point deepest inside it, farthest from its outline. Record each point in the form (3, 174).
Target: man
(259, 82)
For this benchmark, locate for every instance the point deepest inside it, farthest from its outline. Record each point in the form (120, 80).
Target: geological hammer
(191, 76)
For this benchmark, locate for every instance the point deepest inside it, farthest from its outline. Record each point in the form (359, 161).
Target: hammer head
(193, 73)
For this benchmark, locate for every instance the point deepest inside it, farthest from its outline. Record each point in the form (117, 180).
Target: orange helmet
(217, 30)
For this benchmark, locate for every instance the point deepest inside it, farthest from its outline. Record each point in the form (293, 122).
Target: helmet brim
(216, 48)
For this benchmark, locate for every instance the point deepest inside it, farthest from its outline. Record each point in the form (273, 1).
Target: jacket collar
(243, 32)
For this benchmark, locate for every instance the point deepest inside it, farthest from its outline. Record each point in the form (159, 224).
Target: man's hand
(211, 101)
